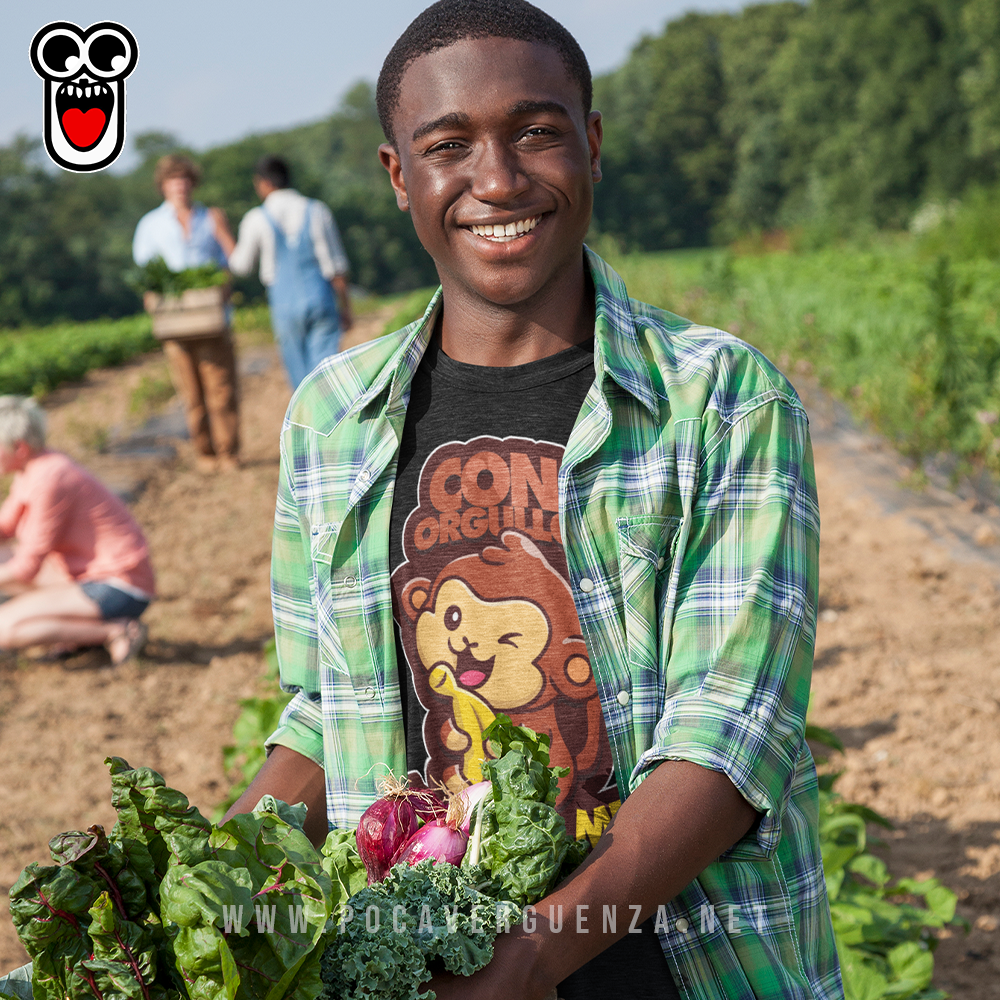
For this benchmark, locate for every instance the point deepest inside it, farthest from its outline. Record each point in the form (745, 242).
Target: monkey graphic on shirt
(488, 622)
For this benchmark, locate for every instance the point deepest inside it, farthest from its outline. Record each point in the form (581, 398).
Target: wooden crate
(197, 312)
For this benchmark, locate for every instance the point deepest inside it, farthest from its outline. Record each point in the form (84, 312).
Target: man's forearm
(679, 820)
(341, 289)
(291, 777)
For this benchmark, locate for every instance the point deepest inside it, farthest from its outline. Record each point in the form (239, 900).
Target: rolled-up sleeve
(248, 244)
(295, 631)
(327, 243)
(743, 629)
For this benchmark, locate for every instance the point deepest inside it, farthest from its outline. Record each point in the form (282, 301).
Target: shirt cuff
(300, 729)
(751, 751)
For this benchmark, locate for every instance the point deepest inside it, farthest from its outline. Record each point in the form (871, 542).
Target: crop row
(910, 341)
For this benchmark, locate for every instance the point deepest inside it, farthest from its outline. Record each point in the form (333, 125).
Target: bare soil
(907, 668)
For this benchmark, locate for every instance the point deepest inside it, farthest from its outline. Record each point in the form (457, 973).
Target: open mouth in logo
(84, 108)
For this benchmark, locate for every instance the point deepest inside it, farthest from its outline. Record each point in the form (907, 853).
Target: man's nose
(499, 176)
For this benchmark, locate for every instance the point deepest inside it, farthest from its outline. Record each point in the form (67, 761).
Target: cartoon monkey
(497, 631)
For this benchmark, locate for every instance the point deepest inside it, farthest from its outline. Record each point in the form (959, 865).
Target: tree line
(833, 116)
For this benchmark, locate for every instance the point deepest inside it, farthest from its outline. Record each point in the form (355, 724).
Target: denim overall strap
(303, 307)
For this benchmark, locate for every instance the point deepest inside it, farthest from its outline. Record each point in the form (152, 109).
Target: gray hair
(21, 419)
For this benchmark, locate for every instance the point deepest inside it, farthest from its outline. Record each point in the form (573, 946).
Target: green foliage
(409, 309)
(884, 928)
(149, 395)
(441, 916)
(523, 839)
(157, 277)
(838, 115)
(161, 909)
(911, 344)
(258, 718)
(36, 361)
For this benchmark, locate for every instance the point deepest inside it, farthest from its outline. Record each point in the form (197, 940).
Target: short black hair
(449, 21)
(274, 170)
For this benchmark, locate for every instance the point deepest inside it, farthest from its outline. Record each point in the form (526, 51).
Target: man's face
(491, 134)
(177, 189)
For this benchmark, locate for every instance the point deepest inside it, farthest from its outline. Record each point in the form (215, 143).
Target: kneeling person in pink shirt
(78, 573)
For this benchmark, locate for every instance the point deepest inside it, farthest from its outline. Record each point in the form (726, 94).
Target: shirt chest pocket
(646, 550)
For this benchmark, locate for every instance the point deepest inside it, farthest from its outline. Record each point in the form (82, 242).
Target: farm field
(907, 658)
(908, 338)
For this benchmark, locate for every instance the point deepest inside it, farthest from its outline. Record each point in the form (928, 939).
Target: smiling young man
(548, 500)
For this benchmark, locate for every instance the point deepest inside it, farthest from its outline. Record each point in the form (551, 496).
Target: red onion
(470, 797)
(383, 831)
(428, 804)
(437, 840)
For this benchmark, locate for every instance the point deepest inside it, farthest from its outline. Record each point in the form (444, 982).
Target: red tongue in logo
(83, 128)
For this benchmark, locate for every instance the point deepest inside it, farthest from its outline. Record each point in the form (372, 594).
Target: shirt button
(623, 698)
(661, 562)
(364, 475)
(350, 582)
(682, 925)
(586, 584)
(369, 692)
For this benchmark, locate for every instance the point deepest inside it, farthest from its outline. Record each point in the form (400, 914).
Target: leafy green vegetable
(884, 930)
(393, 930)
(524, 840)
(157, 277)
(164, 908)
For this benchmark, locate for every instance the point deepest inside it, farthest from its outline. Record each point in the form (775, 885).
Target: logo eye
(452, 617)
(59, 54)
(108, 53)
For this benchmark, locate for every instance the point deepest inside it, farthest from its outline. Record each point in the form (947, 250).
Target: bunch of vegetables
(163, 907)
(438, 893)
(157, 277)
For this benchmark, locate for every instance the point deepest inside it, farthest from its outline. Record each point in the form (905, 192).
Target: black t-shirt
(485, 619)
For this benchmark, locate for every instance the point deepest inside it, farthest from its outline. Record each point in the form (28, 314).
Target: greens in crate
(157, 277)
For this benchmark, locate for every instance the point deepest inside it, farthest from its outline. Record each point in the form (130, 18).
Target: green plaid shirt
(688, 512)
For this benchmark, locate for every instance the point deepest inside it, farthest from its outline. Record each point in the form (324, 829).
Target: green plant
(157, 277)
(409, 309)
(151, 393)
(33, 362)
(884, 928)
(258, 718)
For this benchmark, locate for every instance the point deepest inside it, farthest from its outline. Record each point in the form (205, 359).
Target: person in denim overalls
(302, 265)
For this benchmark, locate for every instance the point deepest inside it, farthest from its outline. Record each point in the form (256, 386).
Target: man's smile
(505, 232)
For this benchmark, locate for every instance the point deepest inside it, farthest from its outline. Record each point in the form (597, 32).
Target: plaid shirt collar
(616, 351)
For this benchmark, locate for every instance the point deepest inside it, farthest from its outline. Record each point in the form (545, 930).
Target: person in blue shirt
(186, 234)
(302, 265)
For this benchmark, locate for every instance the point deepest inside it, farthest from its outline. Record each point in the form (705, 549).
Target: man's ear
(595, 135)
(389, 156)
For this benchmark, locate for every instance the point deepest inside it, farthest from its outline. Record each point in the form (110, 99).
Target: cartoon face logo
(84, 75)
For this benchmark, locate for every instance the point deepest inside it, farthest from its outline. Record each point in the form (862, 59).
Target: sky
(212, 71)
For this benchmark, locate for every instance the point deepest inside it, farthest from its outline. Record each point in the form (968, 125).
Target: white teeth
(88, 91)
(505, 233)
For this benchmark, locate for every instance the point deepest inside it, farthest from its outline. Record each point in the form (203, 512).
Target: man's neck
(478, 332)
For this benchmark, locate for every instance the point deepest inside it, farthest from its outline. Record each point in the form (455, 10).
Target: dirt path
(908, 658)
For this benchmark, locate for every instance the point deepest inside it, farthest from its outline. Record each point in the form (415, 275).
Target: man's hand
(220, 227)
(678, 821)
(340, 287)
(289, 776)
